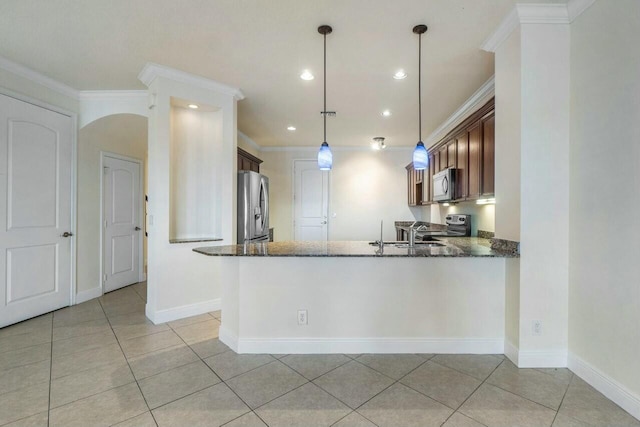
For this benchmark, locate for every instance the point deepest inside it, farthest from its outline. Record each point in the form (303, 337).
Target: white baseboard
(535, 358)
(89, 294)
(175, 313)
(542, 359)
(511, 351)
(364, 345)
(229, 338)
(606, 385)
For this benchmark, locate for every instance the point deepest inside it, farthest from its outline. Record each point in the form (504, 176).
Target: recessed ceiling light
(399, 75)
(291, 128)
(378, 143)
(386, 113)
(306, 75)
(193, 106)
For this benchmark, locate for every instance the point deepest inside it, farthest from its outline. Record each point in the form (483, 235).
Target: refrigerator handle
(265, 208)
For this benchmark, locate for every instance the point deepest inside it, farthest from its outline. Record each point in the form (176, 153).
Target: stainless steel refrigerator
(253, 207)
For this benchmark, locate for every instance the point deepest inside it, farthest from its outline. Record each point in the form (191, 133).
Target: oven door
(442, 186)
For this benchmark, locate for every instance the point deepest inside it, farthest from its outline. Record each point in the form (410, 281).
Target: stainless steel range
(456, 226)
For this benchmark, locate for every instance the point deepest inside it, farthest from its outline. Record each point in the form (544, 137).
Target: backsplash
(482, 216)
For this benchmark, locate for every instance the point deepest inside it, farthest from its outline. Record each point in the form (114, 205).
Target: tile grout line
(128, 365)
(476, 389)
(562, 400)
(221, 380)
(395, 381)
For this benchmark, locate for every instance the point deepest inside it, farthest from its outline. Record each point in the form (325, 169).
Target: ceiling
(262, 47)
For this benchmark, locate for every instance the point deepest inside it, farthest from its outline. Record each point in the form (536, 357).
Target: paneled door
(35, 210)
(311, 201)
(122, 235)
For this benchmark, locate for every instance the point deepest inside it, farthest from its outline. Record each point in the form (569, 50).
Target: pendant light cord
(324, 111)
(420, 87)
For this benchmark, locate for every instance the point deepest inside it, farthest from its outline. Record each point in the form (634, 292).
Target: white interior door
(122, 223)
(35, 210)
(311, 201)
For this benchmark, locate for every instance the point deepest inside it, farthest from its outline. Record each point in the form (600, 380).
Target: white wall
(544, 199)
(196, 147)
(123, 134)
(180, 282)
(365, 187)
(604, 272)
(366, 304)
(507, 164)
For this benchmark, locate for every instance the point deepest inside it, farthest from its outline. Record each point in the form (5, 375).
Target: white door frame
(293, 195)
(74, 173)
(103, 154)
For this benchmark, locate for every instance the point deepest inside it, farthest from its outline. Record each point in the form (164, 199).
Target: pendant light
(325, 158)
(420, 155)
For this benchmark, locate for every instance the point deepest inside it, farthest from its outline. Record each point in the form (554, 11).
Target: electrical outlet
(302, 317)
(536, 327)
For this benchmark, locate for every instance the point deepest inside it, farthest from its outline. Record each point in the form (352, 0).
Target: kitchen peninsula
(354, 297)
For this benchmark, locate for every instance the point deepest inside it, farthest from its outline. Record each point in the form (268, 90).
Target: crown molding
(151, 71)
(35, 77)
(249, 141)
(88, 95)
(333, 148)
(576, 7)
(532, 13)
(477, 100)
(504, 30)
(543, 13)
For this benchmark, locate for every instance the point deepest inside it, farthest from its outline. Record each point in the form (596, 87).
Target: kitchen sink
(420, 245)
(403, 243)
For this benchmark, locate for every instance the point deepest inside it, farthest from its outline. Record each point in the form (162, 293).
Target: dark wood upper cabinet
(443, 158)
(475, 152)
(470, 149)
(488, 154)
(247, 161)
(462, 165)
(451, 154)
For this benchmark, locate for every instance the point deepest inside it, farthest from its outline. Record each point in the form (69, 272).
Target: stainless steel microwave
(444, 185)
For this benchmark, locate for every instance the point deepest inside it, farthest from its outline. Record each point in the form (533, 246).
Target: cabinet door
(436, 162)
(411, 184)
(254, 166)
(443, 158)
(475, 153)
(451, 154)
(426, 186)
(462, 165)
(488, 155)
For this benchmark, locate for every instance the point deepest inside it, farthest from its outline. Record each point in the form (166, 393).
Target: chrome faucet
(412, 237)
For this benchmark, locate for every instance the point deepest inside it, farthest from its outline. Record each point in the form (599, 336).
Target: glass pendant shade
(420, 157)
(325, 158)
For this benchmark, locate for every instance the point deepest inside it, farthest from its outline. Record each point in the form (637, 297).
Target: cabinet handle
(67, 234)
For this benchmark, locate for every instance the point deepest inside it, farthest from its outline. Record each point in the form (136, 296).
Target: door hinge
(104, 278)
(105, 169)
(105, 223)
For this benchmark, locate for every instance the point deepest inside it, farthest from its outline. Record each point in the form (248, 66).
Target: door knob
(137, 229)
(67, 234)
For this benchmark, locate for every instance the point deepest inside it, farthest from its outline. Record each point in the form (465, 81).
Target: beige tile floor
(103, 363)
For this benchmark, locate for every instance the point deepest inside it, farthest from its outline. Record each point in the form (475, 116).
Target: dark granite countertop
(460, 247)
